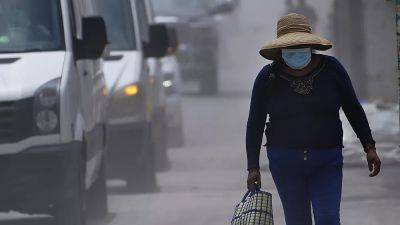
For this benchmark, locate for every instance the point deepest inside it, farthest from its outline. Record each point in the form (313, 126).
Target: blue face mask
(297, 58)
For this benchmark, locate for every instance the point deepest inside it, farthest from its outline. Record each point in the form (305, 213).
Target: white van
(134, 112)
(52, 101)
(172, 84)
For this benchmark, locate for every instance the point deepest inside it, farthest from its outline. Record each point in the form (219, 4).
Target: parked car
(199, 37)
(160, 98)
(135, 117)
(52, 103)
(172, 84)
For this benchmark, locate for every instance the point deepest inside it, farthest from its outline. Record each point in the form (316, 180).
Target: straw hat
(293, 30)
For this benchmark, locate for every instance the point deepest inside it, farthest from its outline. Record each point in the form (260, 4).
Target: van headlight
(168, 84)
(131, 90)
(47, 120)
(46, 108)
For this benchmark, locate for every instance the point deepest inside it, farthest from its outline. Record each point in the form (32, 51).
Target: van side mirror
(173, 40)
(94, 38)
(158, 45)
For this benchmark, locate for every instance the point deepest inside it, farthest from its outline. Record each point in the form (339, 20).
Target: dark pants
(308, 177)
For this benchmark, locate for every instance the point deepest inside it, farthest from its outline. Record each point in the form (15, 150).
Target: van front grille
(7, 119)
(15, 120)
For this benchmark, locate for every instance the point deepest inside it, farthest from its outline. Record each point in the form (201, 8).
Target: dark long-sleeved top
(303, 121)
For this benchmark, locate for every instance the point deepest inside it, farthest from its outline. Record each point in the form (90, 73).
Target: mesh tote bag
(254, 209)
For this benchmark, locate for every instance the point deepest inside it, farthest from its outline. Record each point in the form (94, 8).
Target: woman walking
(300, 95)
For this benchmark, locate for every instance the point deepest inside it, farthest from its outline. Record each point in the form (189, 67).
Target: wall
(380, 27)
(380, 47)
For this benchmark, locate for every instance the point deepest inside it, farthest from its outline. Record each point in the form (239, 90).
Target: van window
(30, 25)
(143, 20)
(182, 8)
(119, 22)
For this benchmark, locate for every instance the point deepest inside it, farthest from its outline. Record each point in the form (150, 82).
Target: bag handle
(249, 193)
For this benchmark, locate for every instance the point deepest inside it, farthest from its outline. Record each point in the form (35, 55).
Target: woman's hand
(374, 163)
(254, 180)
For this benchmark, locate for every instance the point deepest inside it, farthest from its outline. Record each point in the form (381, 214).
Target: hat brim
(272, 50)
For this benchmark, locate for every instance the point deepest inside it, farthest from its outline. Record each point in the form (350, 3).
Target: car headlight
(131, 90)
(169, 85)
(46, 120)
(46, 108)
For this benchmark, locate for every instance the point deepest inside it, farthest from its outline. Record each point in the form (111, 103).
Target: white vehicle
(172, 83)
(134, 114)
(52, 121)
(160, 98)
(173, 87)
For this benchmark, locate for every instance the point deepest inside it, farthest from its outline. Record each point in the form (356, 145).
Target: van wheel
(97, 203)
(180, 136)
(176, 137)
(71, 211)
(160, 144)
(209, 80)
(143, 179)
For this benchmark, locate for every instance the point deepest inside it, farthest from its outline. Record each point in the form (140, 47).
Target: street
(208, 175)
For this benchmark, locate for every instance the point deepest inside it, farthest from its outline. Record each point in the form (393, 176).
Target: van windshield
(30, 25)
(182, 8)
(119, 22)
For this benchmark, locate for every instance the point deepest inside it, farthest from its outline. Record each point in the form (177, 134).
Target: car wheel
(142, 178)
(160, 144)
(209, 80)
(97, 204)
(71, 211)
(176, 137)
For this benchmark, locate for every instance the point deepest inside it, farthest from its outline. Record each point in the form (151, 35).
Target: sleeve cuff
(368, 146)
(253, 167)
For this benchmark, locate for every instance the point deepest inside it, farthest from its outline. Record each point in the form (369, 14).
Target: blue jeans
(308, 177)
